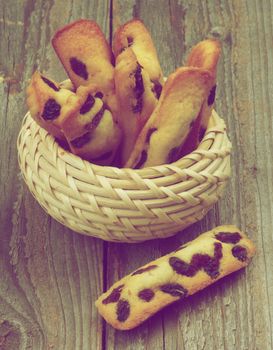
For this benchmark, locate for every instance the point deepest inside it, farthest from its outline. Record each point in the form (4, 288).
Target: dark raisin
(104, 156)
(142, 159)
(202, 132)
(228, 237)
(96, 120)
(99, 94)
(173, 155)
(211, 97)
(239, 252)
(157, 89)
(51, 110)
(146, 294)
(199, 261)
(114, 296)
(137, 108)
(218, 254)
(88, 104)
(212, 265)
(50, 83)
(175, 289)
(123, 310)
(78, 68)
(130, 41)
(181, 267)
(149, 134)
(212, 268)
(139, 89)
(144, 269)
(81, 141)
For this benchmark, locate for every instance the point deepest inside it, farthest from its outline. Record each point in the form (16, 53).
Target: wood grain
(227, 315)
(51, 276)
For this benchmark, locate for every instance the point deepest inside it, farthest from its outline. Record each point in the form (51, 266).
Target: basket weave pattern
(124, 204)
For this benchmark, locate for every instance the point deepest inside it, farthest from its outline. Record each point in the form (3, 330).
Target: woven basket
(124, 205)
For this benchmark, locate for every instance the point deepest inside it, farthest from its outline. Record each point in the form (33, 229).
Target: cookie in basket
(87, 57)
(136, 98)
(135, 35)
(162, 137)
(89, 127)
(204, 55)
(45, 100)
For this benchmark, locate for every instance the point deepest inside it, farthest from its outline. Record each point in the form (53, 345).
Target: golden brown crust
(136, 98)
(42, 94)
(88, 36)
(204, 55)
(135, 35)
(86, 56)
(187, 270)
(162, 137)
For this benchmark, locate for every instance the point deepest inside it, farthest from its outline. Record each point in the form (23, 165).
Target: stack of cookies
(116, 109)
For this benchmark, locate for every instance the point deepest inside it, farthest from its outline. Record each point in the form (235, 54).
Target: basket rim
(216, 125)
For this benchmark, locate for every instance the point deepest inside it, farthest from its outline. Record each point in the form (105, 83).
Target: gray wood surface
(51, 276)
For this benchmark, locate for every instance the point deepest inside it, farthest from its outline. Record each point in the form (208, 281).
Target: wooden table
(51, 276)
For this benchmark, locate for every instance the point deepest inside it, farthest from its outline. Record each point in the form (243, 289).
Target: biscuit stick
(136, 98)
(204, 55)
(135, 35)
(87, 57)
(175, 276)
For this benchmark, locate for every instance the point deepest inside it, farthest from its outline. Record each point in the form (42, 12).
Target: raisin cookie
(204, 55)
(89, 127)
(45, 100)
(136, 98)
(87, 57)
(162, 137)
(175, 276)
(135, 35)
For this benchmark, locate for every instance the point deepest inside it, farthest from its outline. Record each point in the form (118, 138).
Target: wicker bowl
(124, 205)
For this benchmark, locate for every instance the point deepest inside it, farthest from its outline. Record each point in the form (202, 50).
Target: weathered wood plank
(229, 314)
(50, 276)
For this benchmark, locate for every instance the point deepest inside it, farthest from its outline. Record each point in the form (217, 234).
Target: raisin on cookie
(175, 276)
